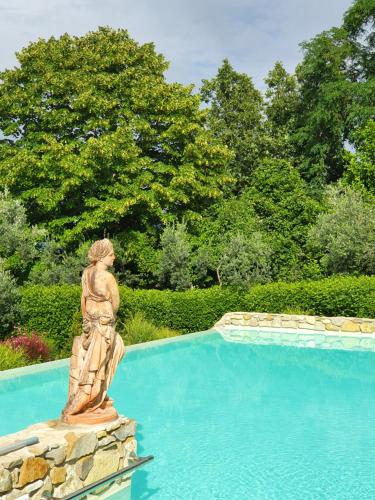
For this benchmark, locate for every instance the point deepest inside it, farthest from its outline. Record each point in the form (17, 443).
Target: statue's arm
(83, 305)
(113, 292)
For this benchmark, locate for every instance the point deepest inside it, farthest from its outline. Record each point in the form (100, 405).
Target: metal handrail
(138, 463)
(18, 445)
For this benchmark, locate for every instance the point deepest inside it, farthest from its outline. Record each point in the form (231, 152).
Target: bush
(33, 346)
(138, 329)
(9, 298)
(55, 310)
(337, 296)
(11, 358)
(50, 310)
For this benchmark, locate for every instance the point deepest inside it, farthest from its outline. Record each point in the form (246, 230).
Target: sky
(194, 35)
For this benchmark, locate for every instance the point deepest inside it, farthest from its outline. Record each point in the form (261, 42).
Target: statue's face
(109, 259)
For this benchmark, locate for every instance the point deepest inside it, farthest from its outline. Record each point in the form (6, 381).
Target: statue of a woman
(98, 351)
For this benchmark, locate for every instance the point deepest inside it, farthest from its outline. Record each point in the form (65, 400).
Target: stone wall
(65, 459)
(295, 321)
(298, 330)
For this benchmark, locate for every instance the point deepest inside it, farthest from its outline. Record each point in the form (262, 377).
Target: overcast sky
(194, 35)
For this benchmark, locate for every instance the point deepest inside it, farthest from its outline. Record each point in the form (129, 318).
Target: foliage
(344, 237)
(360, 172)
(359, 22)
(198, 310)
(9, 302)
(95, 138)
(33, 346)
(281, 201)
(138, 329)
(214, 236)
(245, 261)
(174, 267)
(18, 244)
(11, 358)
(281, 101)
(322, 113)
(235, 117)
(56, 266)
(137, 257)
(335, 296)
(51, 310)
(337, 88)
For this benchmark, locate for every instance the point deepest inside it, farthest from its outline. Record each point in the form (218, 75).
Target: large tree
(281, 102)
(235, 117)
(95, 138)
(337, 89)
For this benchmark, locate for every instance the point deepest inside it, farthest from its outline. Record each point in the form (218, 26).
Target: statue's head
(101, 251)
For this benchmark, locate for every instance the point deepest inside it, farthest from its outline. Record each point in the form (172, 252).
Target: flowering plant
(34, 347)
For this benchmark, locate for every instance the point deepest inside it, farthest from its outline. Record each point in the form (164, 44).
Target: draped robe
(95, 354)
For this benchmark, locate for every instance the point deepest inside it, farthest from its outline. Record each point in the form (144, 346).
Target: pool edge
(60, 363)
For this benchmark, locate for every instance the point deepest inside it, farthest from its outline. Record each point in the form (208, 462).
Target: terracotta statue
(98, 351)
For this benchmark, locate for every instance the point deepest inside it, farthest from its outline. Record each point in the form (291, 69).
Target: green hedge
(55, 309)
(338, 296)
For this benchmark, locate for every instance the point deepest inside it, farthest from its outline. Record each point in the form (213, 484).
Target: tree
(285, 210)
(19, 241)
(244, 261)
(174, 268)
(280, 107)
(343, 238)
(322, 114)
(214, 237)
(9, 301)
(235, 117)
(56, 266)
(360, 172)
(95, 138)
(359, 22)
(337, 87)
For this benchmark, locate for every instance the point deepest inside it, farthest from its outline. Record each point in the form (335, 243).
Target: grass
(138, 329)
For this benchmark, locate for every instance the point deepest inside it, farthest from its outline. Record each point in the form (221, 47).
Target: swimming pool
(233, 421)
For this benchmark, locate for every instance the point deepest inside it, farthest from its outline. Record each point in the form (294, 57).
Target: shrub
(34, 347)
(55, 310)
(11, 358)
(9, 298)
(337, 296)
(343, 239)
(174, 270)
(50, 310)
(138, 329)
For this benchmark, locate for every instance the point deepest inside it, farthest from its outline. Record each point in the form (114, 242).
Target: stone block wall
(298, 330)
(295, 321)
(65, 459)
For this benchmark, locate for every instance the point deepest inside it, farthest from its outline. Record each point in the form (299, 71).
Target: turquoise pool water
(233, 421)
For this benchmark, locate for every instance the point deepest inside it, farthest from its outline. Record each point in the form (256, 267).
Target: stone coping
(66, 458)
(61, 363)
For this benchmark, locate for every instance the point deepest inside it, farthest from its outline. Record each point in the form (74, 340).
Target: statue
(98, 351)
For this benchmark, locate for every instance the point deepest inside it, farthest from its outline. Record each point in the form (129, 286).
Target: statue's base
(67, 458)
(99, 416)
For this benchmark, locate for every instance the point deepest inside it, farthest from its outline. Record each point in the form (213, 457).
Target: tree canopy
(227, 185)
(96, 138)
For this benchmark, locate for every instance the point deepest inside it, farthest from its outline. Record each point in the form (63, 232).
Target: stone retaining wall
(65, 459)
(295, 321)
(298, 330)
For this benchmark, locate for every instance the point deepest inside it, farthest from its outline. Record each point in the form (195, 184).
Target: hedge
(54, 310)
